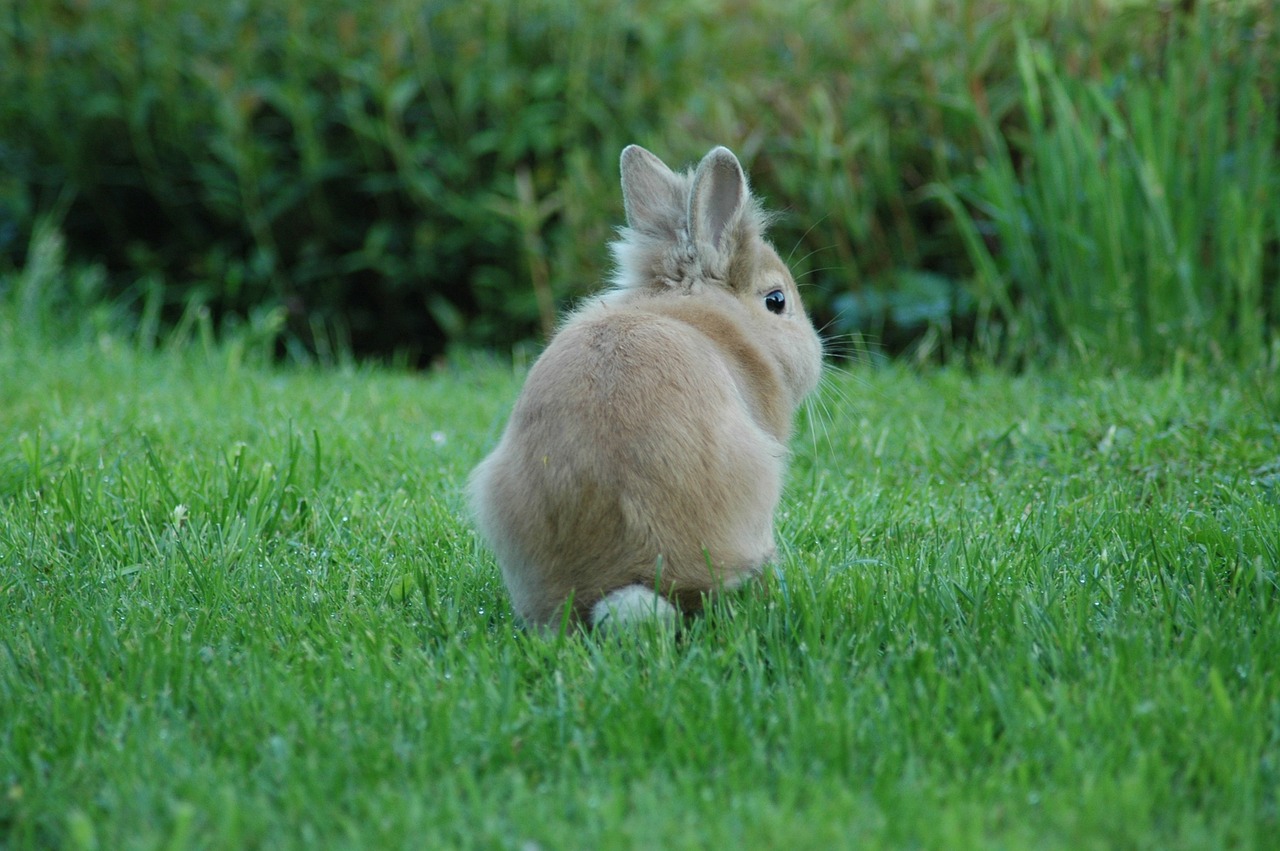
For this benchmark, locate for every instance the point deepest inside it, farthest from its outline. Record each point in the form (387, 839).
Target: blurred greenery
(1137, 214)
(402, 177)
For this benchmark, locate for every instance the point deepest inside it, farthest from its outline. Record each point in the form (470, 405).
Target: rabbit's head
(701, 234)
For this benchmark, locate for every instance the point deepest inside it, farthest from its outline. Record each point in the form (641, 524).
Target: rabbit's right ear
(652, 194)
(719, 199)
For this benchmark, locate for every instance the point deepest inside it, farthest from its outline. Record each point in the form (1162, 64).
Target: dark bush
(421, 174)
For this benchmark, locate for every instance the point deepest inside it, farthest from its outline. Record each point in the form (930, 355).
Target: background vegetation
(406, 175)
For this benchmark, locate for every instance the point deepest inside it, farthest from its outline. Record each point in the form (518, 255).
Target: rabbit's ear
(652, 194)
(718, 197)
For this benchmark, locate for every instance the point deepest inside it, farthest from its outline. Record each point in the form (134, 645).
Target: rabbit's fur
(647, 449)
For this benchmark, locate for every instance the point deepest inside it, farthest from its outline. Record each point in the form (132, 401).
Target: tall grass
(1138, 216)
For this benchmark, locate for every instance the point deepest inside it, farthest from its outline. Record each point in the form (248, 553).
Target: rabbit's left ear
(652, 194)
(718, 199)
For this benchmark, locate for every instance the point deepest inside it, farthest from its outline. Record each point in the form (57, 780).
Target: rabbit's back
(633, 456)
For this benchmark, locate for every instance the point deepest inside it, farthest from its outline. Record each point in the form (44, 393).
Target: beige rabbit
(644, 458)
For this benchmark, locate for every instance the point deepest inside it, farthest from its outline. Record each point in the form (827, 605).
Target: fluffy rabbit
(644, 458)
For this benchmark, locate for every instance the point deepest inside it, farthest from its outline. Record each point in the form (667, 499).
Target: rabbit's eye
(776, 301)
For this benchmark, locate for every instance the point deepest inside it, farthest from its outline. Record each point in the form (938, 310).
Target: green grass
(242, 607)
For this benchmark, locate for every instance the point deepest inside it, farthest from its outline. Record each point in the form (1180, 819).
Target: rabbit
(643, 461)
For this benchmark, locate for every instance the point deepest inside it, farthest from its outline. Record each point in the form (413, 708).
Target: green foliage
(1138, 216)
(387, 167)
(400, 176)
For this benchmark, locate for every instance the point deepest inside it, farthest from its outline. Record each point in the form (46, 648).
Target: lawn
(242, 607)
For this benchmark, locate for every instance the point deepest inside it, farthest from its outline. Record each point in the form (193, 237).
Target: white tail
(632, 604)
